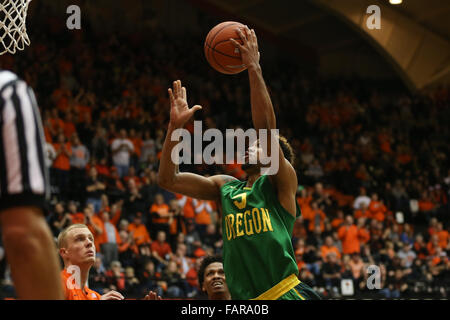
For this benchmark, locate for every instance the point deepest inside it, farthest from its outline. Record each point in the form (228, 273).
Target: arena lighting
(395, 1)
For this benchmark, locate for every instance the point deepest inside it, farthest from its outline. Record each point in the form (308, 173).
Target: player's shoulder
(221, 179)
(7, 77)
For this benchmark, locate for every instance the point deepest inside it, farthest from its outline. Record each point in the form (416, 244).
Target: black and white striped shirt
(23, 174)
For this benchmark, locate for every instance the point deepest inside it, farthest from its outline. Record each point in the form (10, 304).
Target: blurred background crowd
(372, 161)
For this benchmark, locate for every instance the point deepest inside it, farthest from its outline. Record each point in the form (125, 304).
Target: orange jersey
(72, 293)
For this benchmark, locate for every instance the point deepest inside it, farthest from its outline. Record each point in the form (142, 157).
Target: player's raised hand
(152, 296)
(112, 295)
(180, 112)
(249, 47)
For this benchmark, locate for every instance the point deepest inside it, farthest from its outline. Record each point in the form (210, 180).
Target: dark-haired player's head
(211, 278)
(256, 151)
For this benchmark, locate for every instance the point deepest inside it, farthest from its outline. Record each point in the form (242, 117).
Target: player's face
(253, 155)
(214, 282)
(80, 246)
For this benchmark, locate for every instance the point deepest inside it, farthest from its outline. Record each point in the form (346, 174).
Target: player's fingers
(254, 38)
(171, 97)
(241, 34)
(237, 44)
(175, 92)
(117, 295)
(183, 90)
(248, 33)
(195, 108)
(180, 93)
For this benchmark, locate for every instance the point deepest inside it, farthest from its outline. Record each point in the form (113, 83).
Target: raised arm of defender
(190, 184)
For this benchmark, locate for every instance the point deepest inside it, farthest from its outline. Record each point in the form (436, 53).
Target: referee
(24, 190)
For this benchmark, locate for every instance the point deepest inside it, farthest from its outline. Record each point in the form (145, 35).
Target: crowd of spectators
(372, 162)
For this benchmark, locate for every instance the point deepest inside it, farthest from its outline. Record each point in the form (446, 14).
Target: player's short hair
(287, 149)
(63, 234)
(205, 263)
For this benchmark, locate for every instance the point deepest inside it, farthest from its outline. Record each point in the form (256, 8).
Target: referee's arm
(23, 174)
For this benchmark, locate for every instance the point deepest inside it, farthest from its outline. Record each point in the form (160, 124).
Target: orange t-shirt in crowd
(443, 237)
(362, 214)
(337, 222)
(431, 249)
(325, 250)
(161, 248)
(137, 143)
(363, 235)
(162, 210)
(69, 129)
(349, 237)
(56, 124)
(203, 216)
(72, 293)
(312, 219)
(377, 210)
(78, 217)
(186, 206)
(426, 205)
(140, 233)
(62, 161)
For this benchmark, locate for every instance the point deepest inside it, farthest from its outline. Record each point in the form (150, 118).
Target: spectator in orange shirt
(186, 204)
(433, 245)
(337, 222)
(317, 218)
(362, 212)
(76, 247)
(77, 217)
(328, 247)
(426, 206)
(159, 216)
(69, 127)
(363, 233)
(109, 238)
(348, 234)
(203, 212)
(138, 231)
(61, 165)
(357, 268)
(442, 235)
(161, 251)
(377, 209)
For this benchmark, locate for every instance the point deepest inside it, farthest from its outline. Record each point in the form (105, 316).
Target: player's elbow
(165, 182)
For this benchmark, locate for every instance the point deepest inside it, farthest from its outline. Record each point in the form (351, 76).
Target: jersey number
(240, 204)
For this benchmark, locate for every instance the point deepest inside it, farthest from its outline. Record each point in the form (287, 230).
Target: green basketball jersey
(257, 232)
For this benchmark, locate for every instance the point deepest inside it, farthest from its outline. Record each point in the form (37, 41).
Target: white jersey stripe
(11, 144)
(34, 171)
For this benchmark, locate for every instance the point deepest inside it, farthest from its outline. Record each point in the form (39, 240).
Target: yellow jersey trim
(301, 297)
(279, 289)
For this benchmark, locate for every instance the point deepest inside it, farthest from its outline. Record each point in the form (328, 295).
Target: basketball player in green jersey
(257, 214)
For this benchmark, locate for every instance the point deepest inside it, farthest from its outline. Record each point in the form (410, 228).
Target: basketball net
(13, 30)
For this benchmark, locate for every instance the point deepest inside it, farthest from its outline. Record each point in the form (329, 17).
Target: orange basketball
(220, 52)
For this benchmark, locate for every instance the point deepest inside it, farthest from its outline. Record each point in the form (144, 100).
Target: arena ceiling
(333, 30)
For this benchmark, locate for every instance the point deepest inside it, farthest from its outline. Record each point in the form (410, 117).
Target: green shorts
(301, 292)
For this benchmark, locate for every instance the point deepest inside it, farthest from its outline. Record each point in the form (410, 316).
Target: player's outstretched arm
(263, 114)
(192, 185)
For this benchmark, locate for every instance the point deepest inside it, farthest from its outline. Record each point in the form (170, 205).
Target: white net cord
(13, 29)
